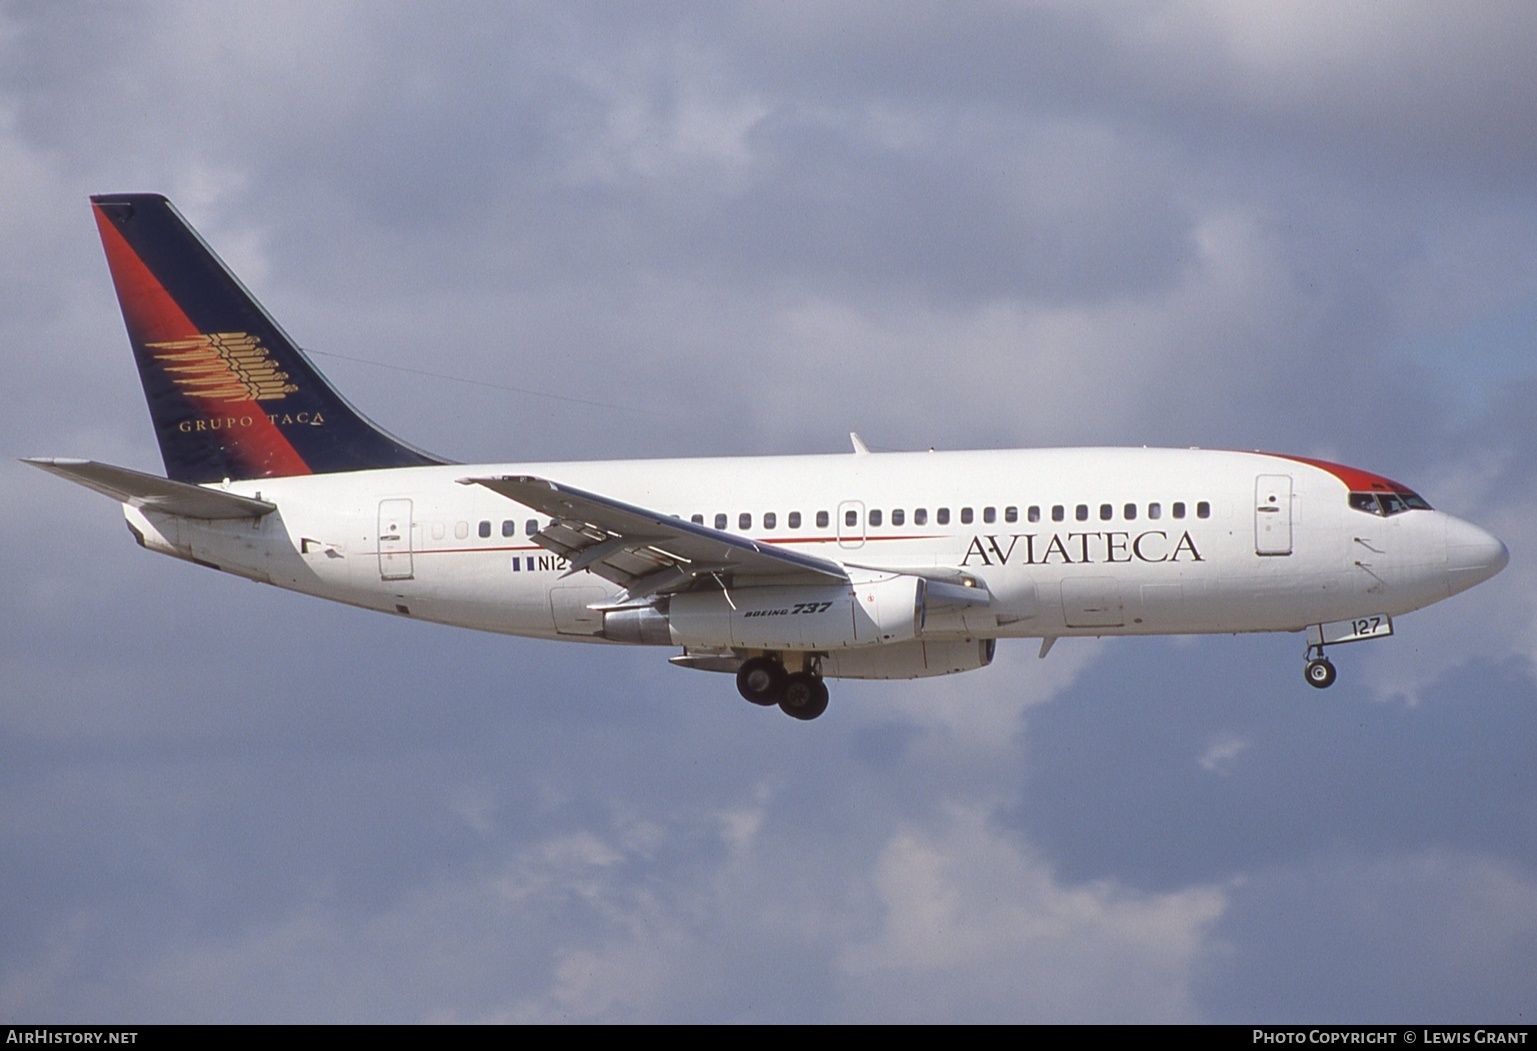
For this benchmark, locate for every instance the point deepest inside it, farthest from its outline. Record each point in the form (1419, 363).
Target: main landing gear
(800, 695)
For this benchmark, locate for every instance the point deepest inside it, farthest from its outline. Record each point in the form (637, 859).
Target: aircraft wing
(646, 552)
(153, 493)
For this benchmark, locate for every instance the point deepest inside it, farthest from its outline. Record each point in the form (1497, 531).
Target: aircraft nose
(1473, 555)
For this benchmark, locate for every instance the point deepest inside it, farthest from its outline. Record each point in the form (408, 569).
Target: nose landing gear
(1319, 673)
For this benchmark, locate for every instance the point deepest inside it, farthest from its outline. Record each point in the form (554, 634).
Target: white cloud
(984, 929)
(1222, 752)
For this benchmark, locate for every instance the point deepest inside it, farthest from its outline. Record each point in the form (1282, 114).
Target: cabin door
(395, 540)
(1273, 514)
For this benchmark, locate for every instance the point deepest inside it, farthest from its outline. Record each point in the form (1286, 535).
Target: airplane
(785, 571)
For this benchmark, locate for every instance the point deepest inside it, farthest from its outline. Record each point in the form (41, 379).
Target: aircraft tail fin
(231, 396)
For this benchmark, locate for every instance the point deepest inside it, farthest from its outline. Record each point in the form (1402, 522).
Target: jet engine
(877, 610)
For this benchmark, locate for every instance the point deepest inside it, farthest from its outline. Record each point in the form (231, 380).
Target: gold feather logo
(223, 366)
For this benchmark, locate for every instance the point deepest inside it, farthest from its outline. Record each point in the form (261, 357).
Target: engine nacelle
(642, 626)
(910, 660)
(824, 617)
(880, 610)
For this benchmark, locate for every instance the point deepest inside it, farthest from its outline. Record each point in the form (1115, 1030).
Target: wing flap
(151, 492)
(644, 551)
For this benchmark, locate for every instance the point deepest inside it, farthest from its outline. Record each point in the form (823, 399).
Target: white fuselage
(782, 570)
(1067, 541)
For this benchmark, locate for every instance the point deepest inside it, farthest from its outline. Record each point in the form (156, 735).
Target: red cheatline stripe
(152, 316)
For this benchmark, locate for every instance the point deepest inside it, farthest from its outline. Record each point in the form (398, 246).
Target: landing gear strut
(1319, 672)
(764, 681)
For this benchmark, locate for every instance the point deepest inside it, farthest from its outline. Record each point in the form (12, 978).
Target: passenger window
(485, 529)
(1011, 514)
(822, 519)
(898, 516)
(875, 518)
(461, 530)
(942, 516)
(1081, 512)
(1178, 509)
(1034, 514)
(744, 521)
(1058, 512)
(851, 518)
(795, 519)
(437, 530)
(1203, 510)
(921, 516)
(770, 520)
(1155, 511)
(965, 516)
(1105, 512)
(989, 514)
(509, 527)
(696, 519)
(1130, 512)
(720, 521)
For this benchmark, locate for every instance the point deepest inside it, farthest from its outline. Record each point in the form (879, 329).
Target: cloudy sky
(728, 229)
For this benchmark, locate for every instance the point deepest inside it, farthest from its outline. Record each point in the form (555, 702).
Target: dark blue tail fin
(230, 394)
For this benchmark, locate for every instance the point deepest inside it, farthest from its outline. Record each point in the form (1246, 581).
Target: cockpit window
(1365, 502)
(1386, 504)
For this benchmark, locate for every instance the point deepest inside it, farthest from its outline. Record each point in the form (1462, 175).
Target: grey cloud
(764, 225)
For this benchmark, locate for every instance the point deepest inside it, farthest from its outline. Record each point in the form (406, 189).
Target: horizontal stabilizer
(151, 492)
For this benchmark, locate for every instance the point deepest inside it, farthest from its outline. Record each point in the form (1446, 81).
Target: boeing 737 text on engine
(784, 571)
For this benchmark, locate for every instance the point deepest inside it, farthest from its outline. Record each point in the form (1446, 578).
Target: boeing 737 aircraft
(784, 571)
